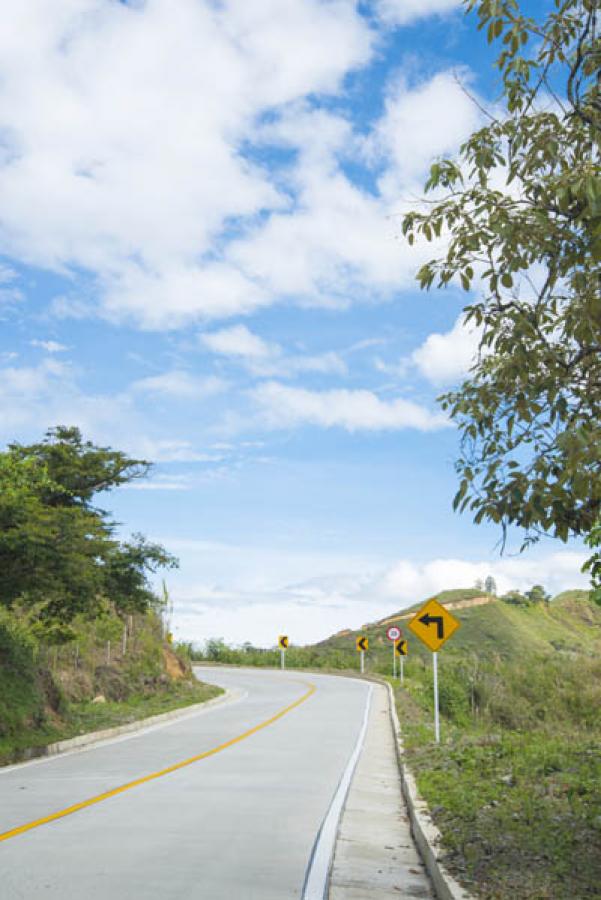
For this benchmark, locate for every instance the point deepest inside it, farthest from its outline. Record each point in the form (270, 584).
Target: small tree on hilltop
(490, 586)
(538, 594)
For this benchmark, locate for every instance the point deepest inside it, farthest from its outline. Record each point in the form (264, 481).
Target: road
(237, 824)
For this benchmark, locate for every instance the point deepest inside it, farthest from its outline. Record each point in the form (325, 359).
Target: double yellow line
(69, 810)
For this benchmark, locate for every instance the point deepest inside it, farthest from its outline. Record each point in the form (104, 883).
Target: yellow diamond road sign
(400, 647)
(283, 641)
(434, 625)
(362, 643)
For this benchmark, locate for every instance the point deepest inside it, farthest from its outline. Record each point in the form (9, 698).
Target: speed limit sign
(393, 633)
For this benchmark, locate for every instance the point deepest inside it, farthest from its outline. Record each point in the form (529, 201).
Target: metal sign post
(362, 644)
(436, 715)
(393, 634)
(400, 650)
(283, 645)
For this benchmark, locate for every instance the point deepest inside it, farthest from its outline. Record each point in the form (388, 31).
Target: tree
(79, 469)
(490, 586)
(537, 594)
(593, 565)
(58, 554)
(514, 598)
(126, 570)
(521, 209)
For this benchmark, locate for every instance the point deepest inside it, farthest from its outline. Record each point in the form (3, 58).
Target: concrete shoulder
(375, 855)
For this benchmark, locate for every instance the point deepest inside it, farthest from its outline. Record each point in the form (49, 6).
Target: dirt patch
(75, 684)
(175, 668)
(109, 681)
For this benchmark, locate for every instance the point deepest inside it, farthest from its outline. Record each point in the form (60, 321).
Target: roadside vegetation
(83, 638)
(515, 784)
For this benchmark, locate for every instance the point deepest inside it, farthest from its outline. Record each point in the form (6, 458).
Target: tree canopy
(59, 556)
(519, 210)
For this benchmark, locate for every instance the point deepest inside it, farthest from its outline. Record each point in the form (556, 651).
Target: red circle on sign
(393, 633)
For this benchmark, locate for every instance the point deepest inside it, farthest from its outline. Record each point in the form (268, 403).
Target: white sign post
(362, 644)
(283, 645)
(393, 634)
(436, 714)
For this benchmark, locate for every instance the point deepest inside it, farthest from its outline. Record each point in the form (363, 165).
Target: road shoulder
(375, 855)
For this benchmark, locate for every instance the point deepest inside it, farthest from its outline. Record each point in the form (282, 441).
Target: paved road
(236, 825)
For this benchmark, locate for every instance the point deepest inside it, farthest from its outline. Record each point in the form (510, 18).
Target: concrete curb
(94, 737)
(425, 833)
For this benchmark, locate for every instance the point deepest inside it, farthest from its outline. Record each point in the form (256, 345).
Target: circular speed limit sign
(393, 633)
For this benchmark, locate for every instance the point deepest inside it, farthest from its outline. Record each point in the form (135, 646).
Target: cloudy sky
(201, 264)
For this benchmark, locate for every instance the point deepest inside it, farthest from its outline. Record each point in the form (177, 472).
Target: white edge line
(318, 870)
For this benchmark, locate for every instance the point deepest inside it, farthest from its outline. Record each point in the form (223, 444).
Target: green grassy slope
(570, 623)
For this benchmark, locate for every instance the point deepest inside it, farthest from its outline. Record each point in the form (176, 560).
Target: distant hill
(570, 623)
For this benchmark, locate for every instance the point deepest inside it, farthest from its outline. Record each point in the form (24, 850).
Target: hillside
(49, 693)
(570, 623)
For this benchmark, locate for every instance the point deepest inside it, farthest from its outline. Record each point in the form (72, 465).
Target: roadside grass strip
(99, 798)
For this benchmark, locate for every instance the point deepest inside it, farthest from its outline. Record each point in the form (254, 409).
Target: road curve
(223, 805)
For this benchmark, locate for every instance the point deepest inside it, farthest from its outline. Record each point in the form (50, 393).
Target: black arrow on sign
(430, 620)
(362, 643)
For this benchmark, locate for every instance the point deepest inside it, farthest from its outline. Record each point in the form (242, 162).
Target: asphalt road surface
(237, 824)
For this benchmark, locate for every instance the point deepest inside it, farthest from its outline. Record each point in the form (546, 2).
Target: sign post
(283, 645)
(362, 644)
(393, 634)
(401, 650)
(436, 715)
(434, 625)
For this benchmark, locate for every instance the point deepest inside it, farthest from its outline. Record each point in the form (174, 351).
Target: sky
(201, 263)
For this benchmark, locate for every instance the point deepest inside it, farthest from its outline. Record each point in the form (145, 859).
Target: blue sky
(201, 264)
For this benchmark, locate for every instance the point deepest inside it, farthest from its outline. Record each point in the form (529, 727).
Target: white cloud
(179, 384)
(409, 581)
(35, 398)
(132, 121)
(357, 410)
(128, 120)
(401, 12)
(420, 123)
(239, 341)
(162, 483)
(446, 358)
(49, 346)
(268, 359)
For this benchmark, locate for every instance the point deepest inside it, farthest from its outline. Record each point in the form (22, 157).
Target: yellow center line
(28, 826)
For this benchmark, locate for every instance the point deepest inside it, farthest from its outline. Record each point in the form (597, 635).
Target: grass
(515, 784)
(81, 718)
